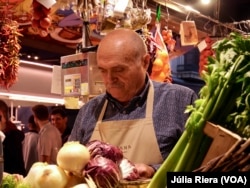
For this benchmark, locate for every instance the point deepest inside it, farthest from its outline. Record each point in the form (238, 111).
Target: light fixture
(36, 57)
(36, 64)
(205, 2)
(177, 6)
(31, 98)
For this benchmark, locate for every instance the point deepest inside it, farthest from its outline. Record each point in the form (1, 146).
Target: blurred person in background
(49, 141)
(59, 119)
(30, 154)
(12, 143)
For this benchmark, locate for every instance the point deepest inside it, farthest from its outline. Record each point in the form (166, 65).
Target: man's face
(58, 121)
(122, 77)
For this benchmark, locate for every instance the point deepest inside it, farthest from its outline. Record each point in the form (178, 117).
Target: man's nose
(111, 76)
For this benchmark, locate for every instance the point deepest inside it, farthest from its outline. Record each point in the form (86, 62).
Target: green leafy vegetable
(224, 100)
(11, 181)
(8, 181)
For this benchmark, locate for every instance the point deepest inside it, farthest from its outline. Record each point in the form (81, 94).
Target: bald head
(123, 41)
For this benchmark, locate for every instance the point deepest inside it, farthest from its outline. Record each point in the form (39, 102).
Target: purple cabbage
(128, 170)
(104, 172)
(97, 147)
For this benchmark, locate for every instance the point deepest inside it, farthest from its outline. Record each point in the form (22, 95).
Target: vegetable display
(128, 170)
(104, 172)
(41, 20)
(43, 175)
(224, 100)
(107, 166)
(161, 70)
(97, 147)
(12, 181)
(205, 53)
(94, 165)
(168, 39)
(73, 157)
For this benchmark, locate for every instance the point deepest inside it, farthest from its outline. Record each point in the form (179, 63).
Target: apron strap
(103, 111)
(150, 100)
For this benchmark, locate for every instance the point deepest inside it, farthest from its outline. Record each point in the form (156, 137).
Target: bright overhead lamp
(36, 64)
(205, 2)
(177, 6)
(31, 98)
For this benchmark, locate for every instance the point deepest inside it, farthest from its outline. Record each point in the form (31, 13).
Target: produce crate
(134, 184)
(222, 140)
(228, 152)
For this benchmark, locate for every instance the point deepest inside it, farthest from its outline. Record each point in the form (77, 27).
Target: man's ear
(146, 61)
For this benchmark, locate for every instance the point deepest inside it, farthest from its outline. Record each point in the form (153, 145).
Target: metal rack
(190, 11)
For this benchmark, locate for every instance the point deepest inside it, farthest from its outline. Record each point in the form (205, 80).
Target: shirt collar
(134, 102)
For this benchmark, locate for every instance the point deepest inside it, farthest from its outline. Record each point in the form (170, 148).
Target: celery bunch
(224, 100)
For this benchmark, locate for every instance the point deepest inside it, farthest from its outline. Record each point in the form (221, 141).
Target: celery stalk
(225, 71)
(159, 179)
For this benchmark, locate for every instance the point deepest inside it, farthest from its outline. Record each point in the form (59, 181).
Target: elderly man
(142, 117)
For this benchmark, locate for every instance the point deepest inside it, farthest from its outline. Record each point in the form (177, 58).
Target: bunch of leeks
(227, 86)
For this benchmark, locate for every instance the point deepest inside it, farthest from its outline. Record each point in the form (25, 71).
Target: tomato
(45, 22)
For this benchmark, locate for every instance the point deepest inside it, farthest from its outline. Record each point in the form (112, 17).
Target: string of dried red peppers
(9, 52)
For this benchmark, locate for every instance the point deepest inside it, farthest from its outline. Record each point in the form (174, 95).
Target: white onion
(43, 175)
(73, 157)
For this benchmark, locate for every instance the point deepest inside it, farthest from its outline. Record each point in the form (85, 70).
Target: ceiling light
(32, 98)
(205, 2)
(177, 6)
(36, 64)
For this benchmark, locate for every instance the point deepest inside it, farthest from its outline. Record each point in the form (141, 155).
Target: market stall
(221, 66)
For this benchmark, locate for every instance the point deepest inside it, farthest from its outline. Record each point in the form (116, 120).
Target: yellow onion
(73, 157)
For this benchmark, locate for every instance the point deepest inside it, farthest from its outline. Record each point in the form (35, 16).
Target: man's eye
(118, 69)
(102, 71)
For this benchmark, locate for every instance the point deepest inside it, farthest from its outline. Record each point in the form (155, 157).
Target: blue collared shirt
(170, 102)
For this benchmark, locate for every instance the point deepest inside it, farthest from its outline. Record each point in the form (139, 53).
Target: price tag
(202, 45)
(47, 3)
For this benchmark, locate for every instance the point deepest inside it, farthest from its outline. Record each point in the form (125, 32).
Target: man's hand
(144, 170)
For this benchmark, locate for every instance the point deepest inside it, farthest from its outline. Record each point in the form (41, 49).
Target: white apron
(136, 138)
